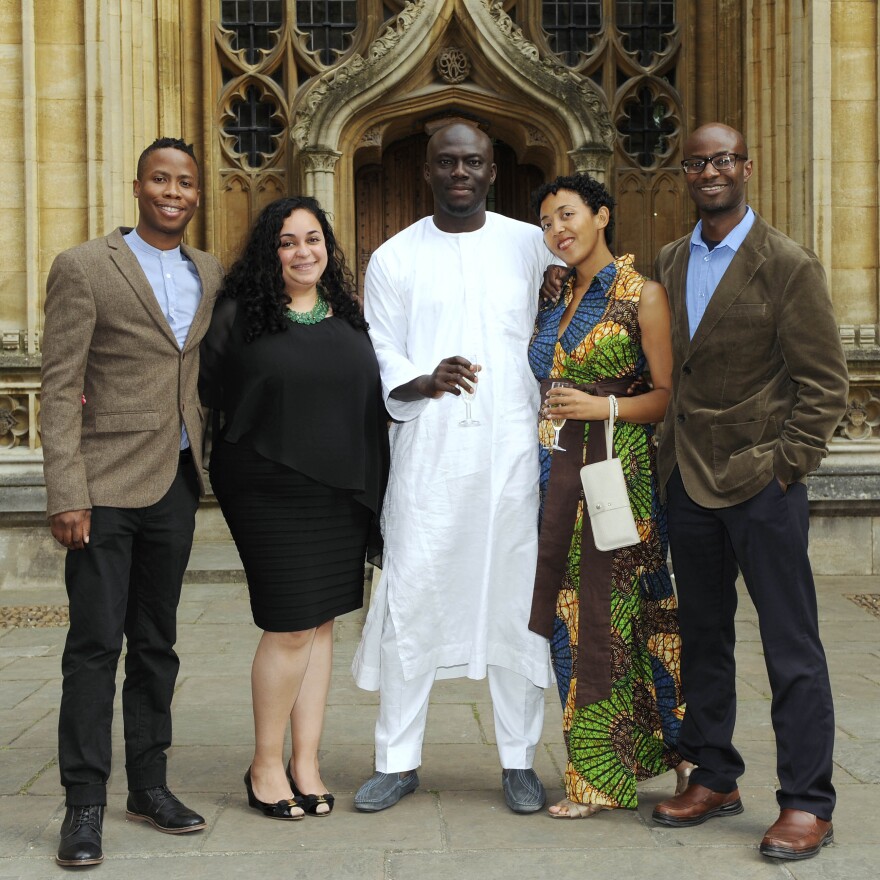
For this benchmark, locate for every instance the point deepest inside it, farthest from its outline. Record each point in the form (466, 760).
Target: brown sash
(593, 656)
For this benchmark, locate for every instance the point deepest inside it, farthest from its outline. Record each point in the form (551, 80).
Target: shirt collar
(135, 242)
(732, 240)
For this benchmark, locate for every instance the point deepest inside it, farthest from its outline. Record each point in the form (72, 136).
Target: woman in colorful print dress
(610, 617)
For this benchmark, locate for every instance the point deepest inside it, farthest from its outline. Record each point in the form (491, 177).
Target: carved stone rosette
(19, 422)
(453, 65)
(862, 418)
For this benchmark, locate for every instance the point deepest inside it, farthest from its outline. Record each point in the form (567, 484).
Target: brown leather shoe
(696, 804)
(796, 834)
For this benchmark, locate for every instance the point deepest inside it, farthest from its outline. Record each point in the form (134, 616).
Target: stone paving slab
(456, 825)
(582, 860)
(21, 768)
(861, 760)
(457, 766)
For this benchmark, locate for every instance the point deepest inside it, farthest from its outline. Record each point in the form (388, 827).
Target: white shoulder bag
(606, 498)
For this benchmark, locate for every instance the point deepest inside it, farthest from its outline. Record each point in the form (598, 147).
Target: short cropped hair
(164, 144)
(592, 193)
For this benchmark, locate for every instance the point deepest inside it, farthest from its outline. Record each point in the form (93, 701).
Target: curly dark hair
(255, 280)
(593, 194)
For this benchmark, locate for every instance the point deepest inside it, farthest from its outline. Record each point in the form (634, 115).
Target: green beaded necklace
(317, 313)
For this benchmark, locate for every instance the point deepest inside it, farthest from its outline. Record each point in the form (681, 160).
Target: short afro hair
(592, 193)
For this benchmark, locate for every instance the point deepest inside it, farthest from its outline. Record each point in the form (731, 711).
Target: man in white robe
(445, 295)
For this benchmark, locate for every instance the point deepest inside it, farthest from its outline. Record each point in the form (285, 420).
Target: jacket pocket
(123, 422)
(740, 450)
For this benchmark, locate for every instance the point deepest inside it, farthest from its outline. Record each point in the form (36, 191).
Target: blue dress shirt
(177, 286)
(706, 268)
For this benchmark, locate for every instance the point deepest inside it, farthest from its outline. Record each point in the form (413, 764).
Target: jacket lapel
(130, 269)
(206, 303)
(740, 272)
(677, 291)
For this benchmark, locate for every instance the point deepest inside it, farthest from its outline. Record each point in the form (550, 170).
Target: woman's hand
(569, 403)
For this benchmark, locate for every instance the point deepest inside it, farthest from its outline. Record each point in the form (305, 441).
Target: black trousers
(765, 537)
(126, 581)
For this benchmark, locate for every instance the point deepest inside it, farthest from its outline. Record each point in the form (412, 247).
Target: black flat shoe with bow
(311, 802)
(283, 809)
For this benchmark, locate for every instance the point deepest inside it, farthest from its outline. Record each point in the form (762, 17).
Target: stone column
(319, 175)
(594, 160)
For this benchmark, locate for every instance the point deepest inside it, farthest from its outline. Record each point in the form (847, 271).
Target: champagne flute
(557, 421)
(468, 392)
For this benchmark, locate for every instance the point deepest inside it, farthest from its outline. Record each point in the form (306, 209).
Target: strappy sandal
(311, 802)
(575, 810)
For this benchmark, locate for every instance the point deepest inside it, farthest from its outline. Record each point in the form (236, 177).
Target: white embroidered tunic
(460, 513)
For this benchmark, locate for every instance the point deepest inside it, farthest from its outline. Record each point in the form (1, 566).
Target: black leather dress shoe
(162, 810)
(81, 837)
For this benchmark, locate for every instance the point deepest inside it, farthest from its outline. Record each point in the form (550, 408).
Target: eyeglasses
(721, 162)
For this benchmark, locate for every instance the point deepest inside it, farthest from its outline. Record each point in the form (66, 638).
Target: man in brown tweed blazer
(122, 436)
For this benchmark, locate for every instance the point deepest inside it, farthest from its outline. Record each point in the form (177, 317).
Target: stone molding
(338, 95)
(320, 160)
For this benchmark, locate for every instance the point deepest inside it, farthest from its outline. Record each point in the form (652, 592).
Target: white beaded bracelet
(613, 401)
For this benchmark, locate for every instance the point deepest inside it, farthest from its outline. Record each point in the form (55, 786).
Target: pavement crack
(484, 737)
(52, 762)
(444, 827)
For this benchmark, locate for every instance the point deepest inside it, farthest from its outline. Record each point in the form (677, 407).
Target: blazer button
(680, 418)
(686, 370)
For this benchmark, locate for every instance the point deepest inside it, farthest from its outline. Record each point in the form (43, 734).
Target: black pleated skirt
(302, 544)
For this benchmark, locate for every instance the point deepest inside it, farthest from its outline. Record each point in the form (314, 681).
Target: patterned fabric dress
(614, 742)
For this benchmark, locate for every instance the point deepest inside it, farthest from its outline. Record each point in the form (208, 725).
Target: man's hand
(451, 374)
(554, 276)
(71, 529)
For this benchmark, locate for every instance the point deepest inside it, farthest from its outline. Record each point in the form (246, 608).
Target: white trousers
(518, 706)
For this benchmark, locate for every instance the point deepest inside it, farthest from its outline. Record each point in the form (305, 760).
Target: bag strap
(609, 428)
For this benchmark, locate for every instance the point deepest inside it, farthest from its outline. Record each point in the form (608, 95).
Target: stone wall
(84, 90)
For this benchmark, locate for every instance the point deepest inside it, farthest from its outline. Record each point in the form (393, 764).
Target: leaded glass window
(645, 127)
(569, 23)
(643, 24)
(254, 127)
(252, 22)
(328, 24)
(629, 49)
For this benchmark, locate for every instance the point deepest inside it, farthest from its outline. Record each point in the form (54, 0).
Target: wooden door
(394, 194)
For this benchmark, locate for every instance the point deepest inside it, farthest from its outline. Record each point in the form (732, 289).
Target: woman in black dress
(299, 468)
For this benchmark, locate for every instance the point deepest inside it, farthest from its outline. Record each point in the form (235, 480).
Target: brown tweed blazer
(105, 339)
(762, 385)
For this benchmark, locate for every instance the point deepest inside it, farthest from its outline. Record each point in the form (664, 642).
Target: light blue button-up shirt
(177, 286)
(706, 268)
